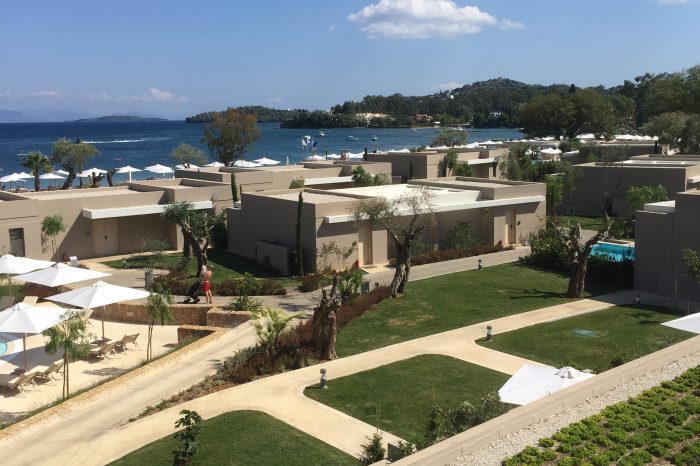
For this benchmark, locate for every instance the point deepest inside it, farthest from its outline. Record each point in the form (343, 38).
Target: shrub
(444, 423)
(313, 282)
(176, 281)
(430, 257)
(242, 286)
(244, 303)
(373, 450)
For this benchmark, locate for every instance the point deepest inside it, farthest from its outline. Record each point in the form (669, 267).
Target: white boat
(352, 138)
(321, 134)
(375, 138)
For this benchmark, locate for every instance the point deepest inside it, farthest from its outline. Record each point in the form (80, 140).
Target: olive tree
(230, 133)
(188, 154)
(196, 227)
(404, 218)
(72, 156)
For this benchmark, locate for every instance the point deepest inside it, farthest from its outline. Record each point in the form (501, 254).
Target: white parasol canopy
(266, 161)
(246, 164)
(532, 382)
(25, 176)
(23, 318)
(13, 178)
(315, 157)
(61, 172)
(690, 323)
(90, 172)
(215, 163)
(60, 274)
(191, 165)
(52, 176)
(11, 265)
(98, 294)
(128, 169)
(160, 169)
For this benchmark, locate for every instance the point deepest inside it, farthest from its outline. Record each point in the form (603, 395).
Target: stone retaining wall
(193, 332)
(184, 314)
(218, 318)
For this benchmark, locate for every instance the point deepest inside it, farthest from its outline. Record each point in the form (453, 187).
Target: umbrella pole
(24, 344)
(102, 313)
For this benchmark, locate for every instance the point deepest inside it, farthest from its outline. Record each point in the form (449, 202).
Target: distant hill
(119, 119)
(264, 114)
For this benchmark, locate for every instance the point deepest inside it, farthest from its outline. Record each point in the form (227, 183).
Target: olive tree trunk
(324, 321)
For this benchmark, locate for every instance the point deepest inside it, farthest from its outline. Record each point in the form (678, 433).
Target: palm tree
(38, 163)
(158, 309)
(73, 337)
(52, 226)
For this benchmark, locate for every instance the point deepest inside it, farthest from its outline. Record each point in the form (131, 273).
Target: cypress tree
(300, 243)
(234, 188)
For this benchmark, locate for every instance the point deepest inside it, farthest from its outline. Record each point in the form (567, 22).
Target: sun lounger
(104, 350)
(18, 382)
(31, 300)
(49, 372)
(126, 339)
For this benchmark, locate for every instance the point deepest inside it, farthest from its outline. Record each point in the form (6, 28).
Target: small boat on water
(321, 134)
(352, 138)
(21, 154)
(375, 138)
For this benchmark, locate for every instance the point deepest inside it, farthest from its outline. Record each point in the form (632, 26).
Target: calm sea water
(143, 144)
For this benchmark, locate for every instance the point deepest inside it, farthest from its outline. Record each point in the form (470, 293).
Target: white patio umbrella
(532, 382)
(12, 265)
(51, 177)
(25, 176)
(689, 323)
(266, 161)
(215, 164)
(23, 318)
(98, 294)
(160, 169)
(61, 172)
(128, 169)
(13, 178)
(90, 171)
(315, 157)
(60, 274)
(245, 164)
(190, 165)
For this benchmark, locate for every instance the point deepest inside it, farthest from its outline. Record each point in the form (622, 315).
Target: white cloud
(421, 19)
(511, 25)
(46, 93)
(152, 95)
(157, 95)
(448, 86)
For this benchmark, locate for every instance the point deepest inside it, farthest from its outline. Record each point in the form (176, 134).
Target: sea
(141, 144)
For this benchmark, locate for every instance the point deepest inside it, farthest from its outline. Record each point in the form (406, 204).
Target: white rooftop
(666, 207)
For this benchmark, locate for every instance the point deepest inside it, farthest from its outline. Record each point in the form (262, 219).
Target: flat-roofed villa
(597, 181)
(496, 210)
(662, 231)
(103, 221)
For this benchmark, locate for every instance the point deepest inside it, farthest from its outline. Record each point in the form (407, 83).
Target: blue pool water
(616, 251)
(3, 347)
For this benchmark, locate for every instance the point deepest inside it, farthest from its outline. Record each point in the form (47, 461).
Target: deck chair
(19, 382)
(31, 300)
(104, 350)
(49, 373)
(126, 339)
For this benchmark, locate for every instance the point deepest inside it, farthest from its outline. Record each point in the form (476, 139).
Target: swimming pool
(617, 252)
(3, 346)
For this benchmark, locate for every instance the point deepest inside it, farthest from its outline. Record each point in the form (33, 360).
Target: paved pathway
(281, 396)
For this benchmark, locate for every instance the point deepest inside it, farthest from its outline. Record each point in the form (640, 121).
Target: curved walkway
(282, 395)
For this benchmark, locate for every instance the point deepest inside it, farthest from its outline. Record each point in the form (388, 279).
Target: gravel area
(512, 444)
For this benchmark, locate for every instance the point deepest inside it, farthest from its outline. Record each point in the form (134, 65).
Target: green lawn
(630, 332)
(406, 391)
(226, 266)
(244, 438)
(587, 223)
(451, 301)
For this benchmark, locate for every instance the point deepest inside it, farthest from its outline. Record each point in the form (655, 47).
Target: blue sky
(175, 58)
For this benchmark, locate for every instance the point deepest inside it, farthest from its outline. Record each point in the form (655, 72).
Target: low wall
(519, 418)
(218, 318)
(193, 332)
(184, 314)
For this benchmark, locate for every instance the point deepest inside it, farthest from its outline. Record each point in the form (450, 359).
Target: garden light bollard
(480, 264)
(638, 299)
(323, 382)
(489, 333)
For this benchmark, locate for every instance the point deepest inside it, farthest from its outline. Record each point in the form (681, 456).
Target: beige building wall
(593, 180)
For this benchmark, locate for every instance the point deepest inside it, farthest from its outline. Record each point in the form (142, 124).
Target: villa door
(105, 237)
(364, 244)
(510, 227)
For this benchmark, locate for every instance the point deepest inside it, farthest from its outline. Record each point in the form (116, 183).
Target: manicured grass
(406, 391)
(451, 301)
(627, 332)
(244, 438)
(587, 223)
(226, 266)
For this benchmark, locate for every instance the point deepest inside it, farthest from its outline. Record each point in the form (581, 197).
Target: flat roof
(667, 207)
(115, 212)
(78, 193)
(310, 197)
(328, 180)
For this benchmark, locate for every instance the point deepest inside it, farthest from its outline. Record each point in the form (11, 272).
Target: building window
(17, 241)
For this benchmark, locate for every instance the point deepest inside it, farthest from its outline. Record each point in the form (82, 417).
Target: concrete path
(281, 396)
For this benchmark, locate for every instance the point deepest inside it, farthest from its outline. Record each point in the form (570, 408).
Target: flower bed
(661, 424)
(451, 254)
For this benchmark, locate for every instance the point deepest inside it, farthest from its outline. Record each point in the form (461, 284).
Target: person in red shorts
(206, 284)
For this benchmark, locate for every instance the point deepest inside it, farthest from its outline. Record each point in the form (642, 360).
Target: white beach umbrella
(13, 178)
(25, 319)
(245, 164)
(128, 169)
(25, 176)
(61, 172)
(215, 164)
(189, 165)
(98, 294)
(90, 171)
(52, 176)
(315, 157)
(160, 169)
(532, 382)
(333, 156)
(690, 323)
(266, 161)
(60, 274)
(12, 265)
